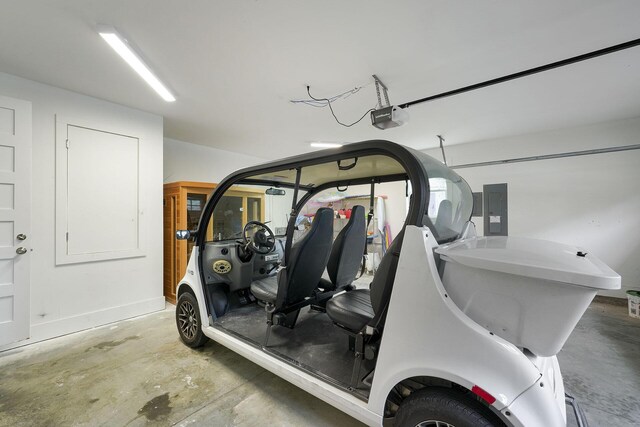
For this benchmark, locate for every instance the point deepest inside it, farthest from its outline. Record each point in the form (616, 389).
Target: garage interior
(536, 106)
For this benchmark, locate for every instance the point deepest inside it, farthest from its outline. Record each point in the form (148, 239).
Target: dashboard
(227, 262)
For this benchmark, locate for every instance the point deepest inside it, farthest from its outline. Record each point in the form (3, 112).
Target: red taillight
(483, 394)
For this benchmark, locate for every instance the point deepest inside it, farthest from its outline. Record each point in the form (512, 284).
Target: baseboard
(68, 325)
(610, 300)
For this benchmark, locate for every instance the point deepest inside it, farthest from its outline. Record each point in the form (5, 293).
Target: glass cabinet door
(227, 218)
(195, 205)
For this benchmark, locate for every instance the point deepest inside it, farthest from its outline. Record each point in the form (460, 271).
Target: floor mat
(315, 341)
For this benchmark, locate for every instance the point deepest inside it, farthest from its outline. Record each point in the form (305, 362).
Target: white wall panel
(102, 195)
(97, 192)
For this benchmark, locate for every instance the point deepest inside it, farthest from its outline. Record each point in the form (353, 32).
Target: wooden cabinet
(183, 204)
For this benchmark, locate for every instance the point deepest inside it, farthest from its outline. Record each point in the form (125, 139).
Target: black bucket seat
(347, 252)
(290, 290)
(361, 312)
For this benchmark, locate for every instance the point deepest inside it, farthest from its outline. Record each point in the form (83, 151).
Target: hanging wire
(328, 103)
(323, 103)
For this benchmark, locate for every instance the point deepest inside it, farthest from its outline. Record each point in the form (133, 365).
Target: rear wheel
(188, 321)
(443, 408)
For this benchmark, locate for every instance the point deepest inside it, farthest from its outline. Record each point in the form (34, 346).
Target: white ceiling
(234, 65)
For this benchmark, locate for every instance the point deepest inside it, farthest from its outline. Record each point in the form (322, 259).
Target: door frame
(20, 140)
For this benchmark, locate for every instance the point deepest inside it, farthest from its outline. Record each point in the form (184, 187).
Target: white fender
(426, 334)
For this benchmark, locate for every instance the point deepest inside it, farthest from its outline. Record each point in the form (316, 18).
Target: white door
(15, 218)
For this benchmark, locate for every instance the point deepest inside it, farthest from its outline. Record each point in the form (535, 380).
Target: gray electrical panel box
(477, 204)
(495, 210)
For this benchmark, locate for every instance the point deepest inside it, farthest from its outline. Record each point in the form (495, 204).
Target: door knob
(21, 236)
(21, 251)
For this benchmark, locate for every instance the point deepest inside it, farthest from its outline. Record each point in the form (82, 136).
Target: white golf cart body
(485, 314)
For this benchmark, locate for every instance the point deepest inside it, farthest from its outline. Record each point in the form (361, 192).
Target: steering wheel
(262, 241)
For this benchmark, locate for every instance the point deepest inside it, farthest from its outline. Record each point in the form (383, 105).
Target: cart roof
(362, 163)
(319, 174)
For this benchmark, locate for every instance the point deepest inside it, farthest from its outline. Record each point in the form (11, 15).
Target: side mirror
(183, 234)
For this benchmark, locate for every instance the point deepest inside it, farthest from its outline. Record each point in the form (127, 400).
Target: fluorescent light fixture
(122, 48)
(325, 144)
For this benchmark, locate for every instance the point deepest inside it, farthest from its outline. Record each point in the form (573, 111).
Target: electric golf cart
(452, 329)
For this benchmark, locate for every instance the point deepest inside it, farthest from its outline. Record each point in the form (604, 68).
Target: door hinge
(67, 144)
(67, 236)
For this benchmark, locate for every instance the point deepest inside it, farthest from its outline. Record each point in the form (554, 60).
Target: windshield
(450, 200)
(243, 203)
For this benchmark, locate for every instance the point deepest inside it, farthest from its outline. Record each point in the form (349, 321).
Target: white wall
(190, 162)
(395, 204)
(73, 297)
(591, 201)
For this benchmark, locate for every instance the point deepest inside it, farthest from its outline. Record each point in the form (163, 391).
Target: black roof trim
(402, 154)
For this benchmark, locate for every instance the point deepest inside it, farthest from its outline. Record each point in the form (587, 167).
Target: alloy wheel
(188, 320)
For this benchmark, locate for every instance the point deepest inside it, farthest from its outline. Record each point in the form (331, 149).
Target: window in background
(195, 205)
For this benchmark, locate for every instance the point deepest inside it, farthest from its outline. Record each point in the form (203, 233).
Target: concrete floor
(601, 365)
(137, 372)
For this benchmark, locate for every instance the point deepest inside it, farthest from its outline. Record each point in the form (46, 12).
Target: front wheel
(188, 321)
(443, 408)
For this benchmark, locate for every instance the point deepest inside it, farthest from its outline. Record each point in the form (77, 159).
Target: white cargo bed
(530, 292)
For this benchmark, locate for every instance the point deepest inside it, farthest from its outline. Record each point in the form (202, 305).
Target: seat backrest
(444, 219)
(348, 249)
(383, 280)
(307, 260)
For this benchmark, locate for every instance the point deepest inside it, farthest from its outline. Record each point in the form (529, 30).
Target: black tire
(441, 407)
(188, 321)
